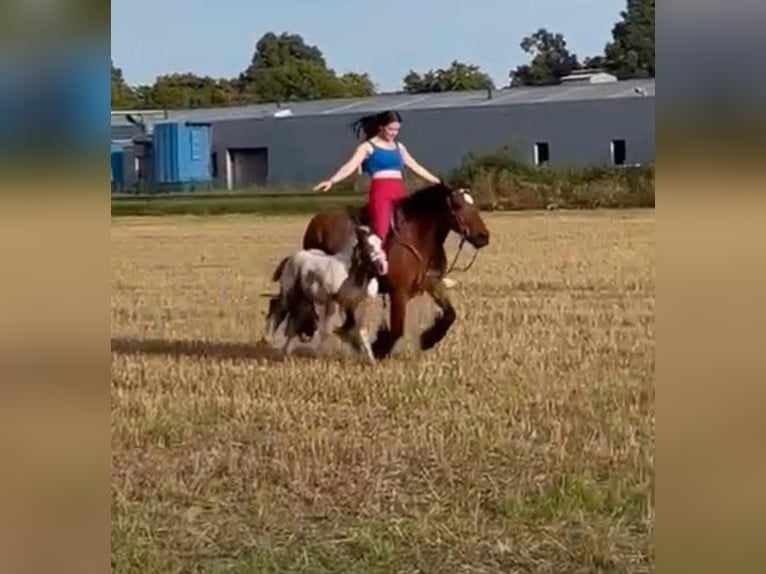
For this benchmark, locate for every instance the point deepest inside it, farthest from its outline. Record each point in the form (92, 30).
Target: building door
(249, 167)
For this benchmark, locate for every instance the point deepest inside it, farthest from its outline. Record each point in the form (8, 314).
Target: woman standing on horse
(383, 158)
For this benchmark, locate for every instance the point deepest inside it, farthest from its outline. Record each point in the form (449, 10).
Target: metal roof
(407, 102)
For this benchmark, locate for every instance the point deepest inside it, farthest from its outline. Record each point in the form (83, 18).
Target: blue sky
(385, 38)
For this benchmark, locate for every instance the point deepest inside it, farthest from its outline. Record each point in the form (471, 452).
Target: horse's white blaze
(467, 196)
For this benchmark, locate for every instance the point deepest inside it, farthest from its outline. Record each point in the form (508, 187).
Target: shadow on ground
(216, 350)
(219, 350)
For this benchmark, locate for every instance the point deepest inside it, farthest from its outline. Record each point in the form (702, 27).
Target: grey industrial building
(588, 119)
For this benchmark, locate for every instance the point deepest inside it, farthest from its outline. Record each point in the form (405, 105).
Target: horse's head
(466, 219)
(454, 208)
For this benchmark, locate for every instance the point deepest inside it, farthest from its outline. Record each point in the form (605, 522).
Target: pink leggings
(383, 193)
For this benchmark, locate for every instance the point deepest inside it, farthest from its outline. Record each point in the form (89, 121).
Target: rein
(423, 266)
(457, 254)
(463, 238)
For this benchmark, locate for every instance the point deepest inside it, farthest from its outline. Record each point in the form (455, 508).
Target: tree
(285, 68)
(595, 63)
(273, 51)
(551, 60)
(457, 77)
(123, 96)
(191, 91)
(357, 85)
(300, 80)
(631, 52)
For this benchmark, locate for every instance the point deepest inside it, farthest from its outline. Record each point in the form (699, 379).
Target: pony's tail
(279, 270)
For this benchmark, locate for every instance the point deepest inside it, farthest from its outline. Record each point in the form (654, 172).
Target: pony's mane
(424, 200)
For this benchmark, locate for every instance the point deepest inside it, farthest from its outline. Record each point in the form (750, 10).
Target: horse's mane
(424, 200)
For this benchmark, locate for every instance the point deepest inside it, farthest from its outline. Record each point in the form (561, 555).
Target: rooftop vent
(588, 77)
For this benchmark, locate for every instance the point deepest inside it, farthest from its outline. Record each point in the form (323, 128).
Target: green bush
(501, 181)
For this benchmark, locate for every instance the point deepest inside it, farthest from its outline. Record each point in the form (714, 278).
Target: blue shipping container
(182, 152)
(118, 177)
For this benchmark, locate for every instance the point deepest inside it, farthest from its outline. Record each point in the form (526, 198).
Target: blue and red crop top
(381, 159)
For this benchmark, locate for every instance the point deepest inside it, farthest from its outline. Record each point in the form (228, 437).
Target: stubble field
(523, 443)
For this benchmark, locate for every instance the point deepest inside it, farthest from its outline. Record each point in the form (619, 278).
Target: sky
(385, 38)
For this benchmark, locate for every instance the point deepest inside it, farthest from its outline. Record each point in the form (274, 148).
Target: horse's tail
(280, 269)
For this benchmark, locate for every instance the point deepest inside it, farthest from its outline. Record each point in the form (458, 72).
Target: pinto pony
(415, 251)
(311, 278)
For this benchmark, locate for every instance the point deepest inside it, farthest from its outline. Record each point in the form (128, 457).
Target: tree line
(284, 68)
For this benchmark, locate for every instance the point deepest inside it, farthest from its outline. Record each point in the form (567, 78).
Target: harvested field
(523, 443)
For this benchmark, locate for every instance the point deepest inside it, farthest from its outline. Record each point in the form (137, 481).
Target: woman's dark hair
(370, 125)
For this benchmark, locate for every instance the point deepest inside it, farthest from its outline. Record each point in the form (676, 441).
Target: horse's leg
(387, 338)
(431, 336)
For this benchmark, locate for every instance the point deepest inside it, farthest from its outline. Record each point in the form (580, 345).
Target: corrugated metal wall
(303, 150)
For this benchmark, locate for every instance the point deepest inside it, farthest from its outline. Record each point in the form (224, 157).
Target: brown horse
(414, 246)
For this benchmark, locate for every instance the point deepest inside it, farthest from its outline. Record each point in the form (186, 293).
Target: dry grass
(523, 443)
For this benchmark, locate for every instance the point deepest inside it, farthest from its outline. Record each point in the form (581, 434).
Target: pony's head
(367, 257)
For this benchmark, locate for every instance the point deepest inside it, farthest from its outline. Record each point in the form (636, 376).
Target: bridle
(463, 232)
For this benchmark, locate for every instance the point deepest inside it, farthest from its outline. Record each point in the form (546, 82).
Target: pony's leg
(349, 323)
(289, 339)
(387, 338)
(352, 330)
(276, 317)
(278, 312)
(354, 305)
(431, 336)
(360, 338)
(271, 315)
(288, 346)
(364, 340)
(329, 310)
